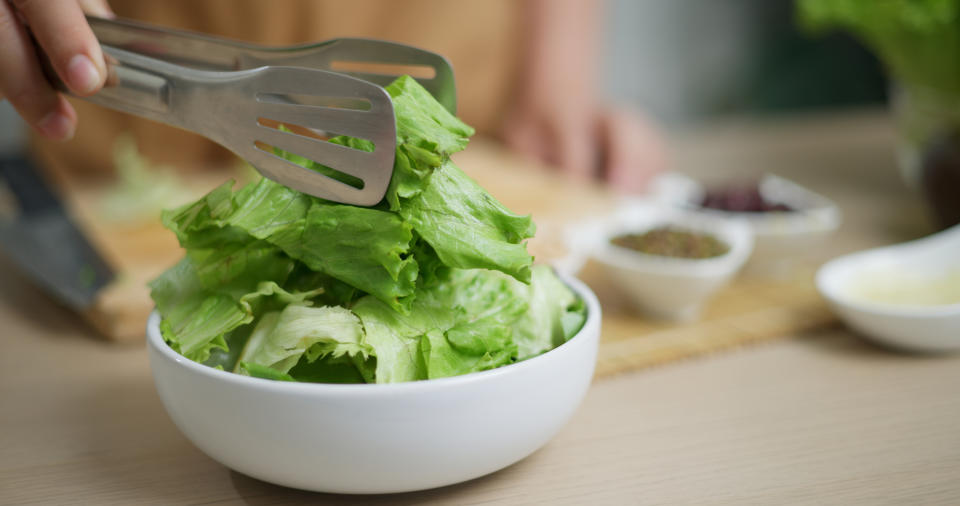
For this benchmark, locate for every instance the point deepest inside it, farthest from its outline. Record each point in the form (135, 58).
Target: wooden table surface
(822, 419)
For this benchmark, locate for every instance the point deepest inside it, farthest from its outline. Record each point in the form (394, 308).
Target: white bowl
(917, 328)
(780, 239)
(661, 287)
(377, 438)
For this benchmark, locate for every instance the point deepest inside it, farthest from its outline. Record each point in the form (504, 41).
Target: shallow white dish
(918, 328)
(661, 287)
(779, 238)
(367, 439)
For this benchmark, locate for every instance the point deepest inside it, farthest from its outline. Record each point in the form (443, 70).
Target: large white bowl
(661, 287)
(377, 438)
(926, 329)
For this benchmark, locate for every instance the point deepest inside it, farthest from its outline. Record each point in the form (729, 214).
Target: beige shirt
(479, 37)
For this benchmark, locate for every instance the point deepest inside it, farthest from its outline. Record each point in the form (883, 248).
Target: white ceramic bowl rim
(627, 255)
(828, 284)
(155, 340)
(811, 211)
(936, 249)
(782, 223)
(641, 216)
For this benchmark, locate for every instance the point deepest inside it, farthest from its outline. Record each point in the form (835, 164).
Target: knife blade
(39, 236)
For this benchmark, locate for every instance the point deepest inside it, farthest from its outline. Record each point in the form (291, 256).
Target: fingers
(64, 35)
(574, 148)
(634, 151)
(22, 82)
(99, 8)
(525, 136)
(616, 145)
(556, 140)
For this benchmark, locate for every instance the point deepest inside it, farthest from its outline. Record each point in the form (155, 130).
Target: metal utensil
(236, 94)
(39, 236)
(375, 61)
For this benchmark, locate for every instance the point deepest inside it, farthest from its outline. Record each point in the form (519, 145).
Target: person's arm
(63, 34)
(557, 115)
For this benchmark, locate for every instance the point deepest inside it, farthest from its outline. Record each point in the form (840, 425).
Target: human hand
(63, 34)
(555, 116)
(615, 145)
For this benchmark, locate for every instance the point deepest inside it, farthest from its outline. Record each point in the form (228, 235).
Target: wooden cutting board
(747, 311)
(137, 250)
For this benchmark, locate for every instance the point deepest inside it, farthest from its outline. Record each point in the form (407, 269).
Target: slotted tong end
(238, 95)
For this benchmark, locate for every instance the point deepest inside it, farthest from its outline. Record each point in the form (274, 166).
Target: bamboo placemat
(749, 310)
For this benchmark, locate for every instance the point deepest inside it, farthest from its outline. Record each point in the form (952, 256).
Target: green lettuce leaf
(330, 369)
(395, 338)
(495, 237)
(261, 371)
(553, 316)
(365, 248)
(361, 144)
(423, 123)
(235, 269)
(917, 40)
(282, 338)
(197, 320)
(427, 134)
(460, 325)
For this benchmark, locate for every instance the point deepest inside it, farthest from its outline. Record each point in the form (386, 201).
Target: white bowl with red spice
(788, 221)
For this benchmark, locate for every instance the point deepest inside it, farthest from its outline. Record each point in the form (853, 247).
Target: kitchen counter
(822, 418)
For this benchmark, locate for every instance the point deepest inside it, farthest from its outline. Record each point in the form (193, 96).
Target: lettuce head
(433, 281)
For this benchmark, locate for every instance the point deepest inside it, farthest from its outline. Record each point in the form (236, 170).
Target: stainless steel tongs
(237, 94)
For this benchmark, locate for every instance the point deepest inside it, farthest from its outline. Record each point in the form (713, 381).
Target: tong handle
(135, 84)
(173, 46)
(151, 88)
(204, 52)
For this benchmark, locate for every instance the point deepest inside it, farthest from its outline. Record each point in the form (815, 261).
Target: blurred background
(525, 74)
(691, 61)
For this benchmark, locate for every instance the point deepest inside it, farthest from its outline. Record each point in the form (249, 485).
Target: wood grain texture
(822, 420)
(827, 419)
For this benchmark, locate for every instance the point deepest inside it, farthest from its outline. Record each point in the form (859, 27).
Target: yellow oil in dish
(908, 289)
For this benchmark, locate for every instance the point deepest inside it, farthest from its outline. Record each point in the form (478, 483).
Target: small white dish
(661, 287)
(846, 283)
(780, 238)
(369, 439)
